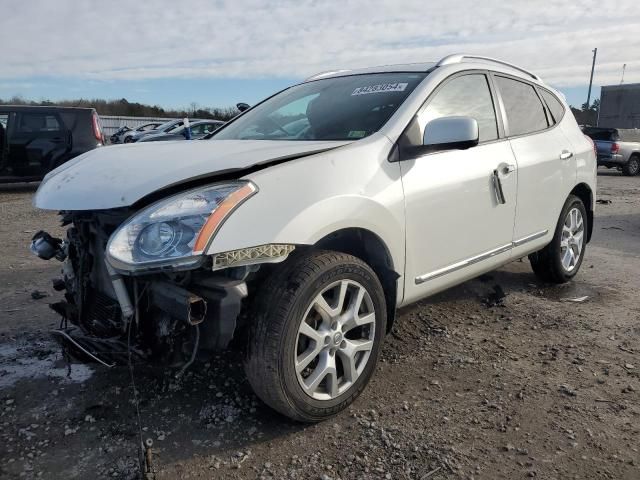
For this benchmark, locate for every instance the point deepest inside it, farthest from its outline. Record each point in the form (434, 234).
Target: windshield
(343, 108)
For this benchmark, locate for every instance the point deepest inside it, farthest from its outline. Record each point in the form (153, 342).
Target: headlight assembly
(176, 231)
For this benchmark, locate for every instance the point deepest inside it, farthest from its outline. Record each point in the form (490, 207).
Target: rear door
(546, 162)
(37, 142)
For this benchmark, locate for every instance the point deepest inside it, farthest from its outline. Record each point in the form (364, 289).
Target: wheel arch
(371, 249)
(584, 193)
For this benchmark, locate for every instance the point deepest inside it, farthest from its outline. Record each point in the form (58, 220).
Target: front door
(456, 222)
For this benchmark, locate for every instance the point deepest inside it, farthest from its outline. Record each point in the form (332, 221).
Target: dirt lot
(536, 386)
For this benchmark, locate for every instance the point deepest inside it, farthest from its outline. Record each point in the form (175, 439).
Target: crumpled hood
(120, 175)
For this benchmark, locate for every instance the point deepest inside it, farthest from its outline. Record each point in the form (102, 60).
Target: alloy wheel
(572, 240)
(334, 340)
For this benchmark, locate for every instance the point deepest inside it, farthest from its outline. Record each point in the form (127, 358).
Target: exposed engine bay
(163, 317)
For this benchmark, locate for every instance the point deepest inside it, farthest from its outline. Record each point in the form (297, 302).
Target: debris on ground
(576, 300)
(37, 294)
(568, 391)
(495, 298)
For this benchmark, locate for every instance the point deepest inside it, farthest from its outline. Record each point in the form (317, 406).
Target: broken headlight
(176, 231)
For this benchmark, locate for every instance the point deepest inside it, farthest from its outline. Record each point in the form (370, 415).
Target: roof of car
(43, 107)
(457, 58)
(401, 67)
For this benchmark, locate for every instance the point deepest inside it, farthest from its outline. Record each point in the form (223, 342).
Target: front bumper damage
(163, 317)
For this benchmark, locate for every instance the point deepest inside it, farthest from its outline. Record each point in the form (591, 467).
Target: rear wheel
(632, 167)
(560, 261)
(315, 336)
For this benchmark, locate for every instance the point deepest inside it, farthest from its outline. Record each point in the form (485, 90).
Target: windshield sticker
(381, 88)
(356, 134)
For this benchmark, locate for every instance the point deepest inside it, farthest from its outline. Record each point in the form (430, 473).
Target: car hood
(120, 175)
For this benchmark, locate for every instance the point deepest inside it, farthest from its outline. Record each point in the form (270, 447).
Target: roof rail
(324, 74)
(460, 57)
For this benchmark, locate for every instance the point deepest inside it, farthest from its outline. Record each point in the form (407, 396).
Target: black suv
(35, 140)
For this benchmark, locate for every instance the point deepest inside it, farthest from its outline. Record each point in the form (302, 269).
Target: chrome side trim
(464, 263)
(529, 238)
(478, 258)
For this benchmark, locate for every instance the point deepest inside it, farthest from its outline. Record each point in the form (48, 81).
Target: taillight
(615, 147)
(96, 127)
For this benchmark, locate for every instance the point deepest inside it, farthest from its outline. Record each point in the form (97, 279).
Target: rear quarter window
(554, 105)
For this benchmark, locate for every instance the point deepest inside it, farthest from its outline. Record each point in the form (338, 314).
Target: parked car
(198, 130)
(617, 148)
(167, 127)
(118, 136)
(35, 140)
(298, 246)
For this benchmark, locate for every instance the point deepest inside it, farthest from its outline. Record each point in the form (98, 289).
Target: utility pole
(593, 66)
(624, 67)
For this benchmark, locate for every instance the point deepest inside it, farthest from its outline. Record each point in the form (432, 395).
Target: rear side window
(525, 112)
(38, 122)
(556, 108)
(467, 96)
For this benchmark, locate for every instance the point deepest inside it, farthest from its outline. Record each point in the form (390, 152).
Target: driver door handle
(566, 155)
(497, 188)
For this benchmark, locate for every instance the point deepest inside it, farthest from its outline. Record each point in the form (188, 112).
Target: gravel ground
(533, 386)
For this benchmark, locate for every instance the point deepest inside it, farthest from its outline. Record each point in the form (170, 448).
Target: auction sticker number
(380, 88)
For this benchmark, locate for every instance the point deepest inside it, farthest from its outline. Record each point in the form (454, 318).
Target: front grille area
(102, 316)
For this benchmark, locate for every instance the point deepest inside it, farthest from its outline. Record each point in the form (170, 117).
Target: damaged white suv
(299, 228)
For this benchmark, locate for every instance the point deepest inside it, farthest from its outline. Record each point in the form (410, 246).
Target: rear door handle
(566, 155)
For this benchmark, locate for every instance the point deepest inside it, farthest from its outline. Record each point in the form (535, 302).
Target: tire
(128, 140)
(547, 263)
(276, 343)
(632, 167)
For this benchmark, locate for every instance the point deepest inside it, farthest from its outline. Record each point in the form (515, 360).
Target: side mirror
(451, 133)
(242, 106)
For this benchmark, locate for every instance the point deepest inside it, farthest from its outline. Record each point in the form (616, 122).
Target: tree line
(125, 108)
(587, 114)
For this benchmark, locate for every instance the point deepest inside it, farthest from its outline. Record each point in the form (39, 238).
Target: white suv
(299, 228)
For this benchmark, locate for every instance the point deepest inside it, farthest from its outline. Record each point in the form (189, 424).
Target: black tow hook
(46, 247)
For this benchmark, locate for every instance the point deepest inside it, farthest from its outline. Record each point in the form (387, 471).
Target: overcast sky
(216, 53)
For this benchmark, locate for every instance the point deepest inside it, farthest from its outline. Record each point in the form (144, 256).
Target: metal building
(620, 106)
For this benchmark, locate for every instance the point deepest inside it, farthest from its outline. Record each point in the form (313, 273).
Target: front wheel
(315, 335)
(560, 261)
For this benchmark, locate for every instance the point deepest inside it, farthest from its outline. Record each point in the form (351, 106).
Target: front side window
(525, 112)
(342, 108)
(467, 96)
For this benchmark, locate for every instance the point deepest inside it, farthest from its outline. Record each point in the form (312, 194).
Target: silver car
(296, 231)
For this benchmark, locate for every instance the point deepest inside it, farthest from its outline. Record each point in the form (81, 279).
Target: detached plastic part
(46, 247)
